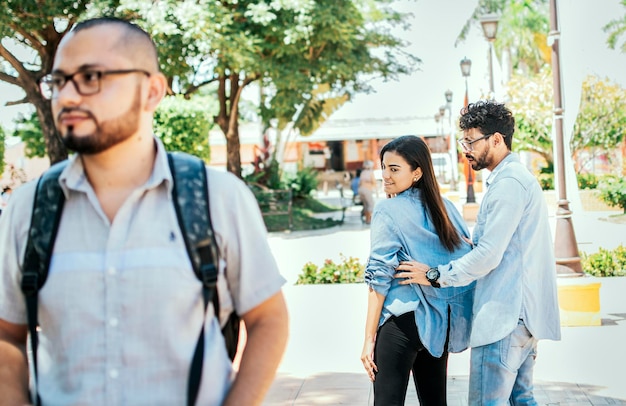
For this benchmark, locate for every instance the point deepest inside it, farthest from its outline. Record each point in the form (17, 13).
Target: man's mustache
(74, 110)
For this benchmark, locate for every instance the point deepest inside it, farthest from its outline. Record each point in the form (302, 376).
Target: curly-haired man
(515, 300)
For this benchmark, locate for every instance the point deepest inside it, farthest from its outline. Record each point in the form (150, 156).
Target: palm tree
(616, 28)
(522, 32)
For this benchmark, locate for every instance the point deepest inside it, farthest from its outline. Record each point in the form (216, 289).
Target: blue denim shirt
(402, 230)
(512, 259)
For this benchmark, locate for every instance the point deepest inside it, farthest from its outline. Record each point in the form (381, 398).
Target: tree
(30, 34)
(522, 32)
(617, 29)
(530, 100)
(28, 129)
(601, 121)
(183, 125)
(290, 48)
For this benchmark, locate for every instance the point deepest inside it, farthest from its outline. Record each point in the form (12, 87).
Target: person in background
(4, 197)
(354, 185)
(411, 328)
(122, 309)
(512, 263)
(367, 187)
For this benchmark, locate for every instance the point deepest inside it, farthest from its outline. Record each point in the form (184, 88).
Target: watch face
(432, 274)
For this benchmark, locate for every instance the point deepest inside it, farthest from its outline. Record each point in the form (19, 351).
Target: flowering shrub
(605, 262)
(348, 270)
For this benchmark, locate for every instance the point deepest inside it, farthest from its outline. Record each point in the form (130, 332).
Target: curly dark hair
(489, 117)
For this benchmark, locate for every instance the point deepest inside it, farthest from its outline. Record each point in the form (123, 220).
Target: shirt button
(113, 373)
(113, 322)
(112, 271)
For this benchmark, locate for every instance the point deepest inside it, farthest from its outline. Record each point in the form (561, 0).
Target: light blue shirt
(121, 310)
(402, 230)
(512, 260)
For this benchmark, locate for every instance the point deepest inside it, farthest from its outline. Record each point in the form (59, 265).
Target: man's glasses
(86, 82)
(467, 145)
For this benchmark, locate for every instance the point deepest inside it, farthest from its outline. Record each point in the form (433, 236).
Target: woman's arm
(374, 307)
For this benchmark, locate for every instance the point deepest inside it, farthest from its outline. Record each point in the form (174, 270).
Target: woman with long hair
(409, 327)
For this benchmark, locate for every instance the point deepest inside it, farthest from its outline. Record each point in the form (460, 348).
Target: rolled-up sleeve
(383, 260)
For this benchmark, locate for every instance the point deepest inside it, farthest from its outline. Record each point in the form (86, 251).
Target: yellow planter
(579, 302)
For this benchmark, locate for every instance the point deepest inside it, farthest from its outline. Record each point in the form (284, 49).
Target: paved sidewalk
(322, 367)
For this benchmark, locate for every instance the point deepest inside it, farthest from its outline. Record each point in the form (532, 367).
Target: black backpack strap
(44, 224)
(191, 201)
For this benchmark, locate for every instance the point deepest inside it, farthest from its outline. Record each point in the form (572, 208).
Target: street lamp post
(489, 23)
(466, 66)
(452, 141)
(565, 246)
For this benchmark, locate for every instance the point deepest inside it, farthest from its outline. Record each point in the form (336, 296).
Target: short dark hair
(133, 34)
(416, 153)
(489, 117)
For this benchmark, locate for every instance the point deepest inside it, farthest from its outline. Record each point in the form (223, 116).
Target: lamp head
(489, 23)
(466, 67)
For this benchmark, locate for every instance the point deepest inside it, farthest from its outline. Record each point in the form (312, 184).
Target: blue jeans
(502, 372)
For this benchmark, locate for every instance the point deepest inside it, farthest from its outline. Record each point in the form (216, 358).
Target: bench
(275, 202)
(347, 202)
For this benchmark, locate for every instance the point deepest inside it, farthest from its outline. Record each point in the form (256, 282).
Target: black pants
(398, 351)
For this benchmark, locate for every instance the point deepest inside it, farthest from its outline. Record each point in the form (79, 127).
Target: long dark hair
(416, 153)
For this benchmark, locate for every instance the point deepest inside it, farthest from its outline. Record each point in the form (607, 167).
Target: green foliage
(348, 270)
(183, 125)
(613, 191)
(605, 262)
(587, 180)
(311, 205)
(530, 100)
(28, 129)
(546, 180)
(268, 175)
(601, 121)
(617, 30)
(522, 31)
(303, 182)
(307, 56)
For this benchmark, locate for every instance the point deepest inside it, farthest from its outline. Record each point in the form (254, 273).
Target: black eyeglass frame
(467, 145)
(49, 88)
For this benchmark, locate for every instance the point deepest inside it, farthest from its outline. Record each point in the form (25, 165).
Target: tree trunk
(233, 148)
(56, 150)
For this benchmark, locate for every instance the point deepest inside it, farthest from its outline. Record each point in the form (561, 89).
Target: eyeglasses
(87, 82)
(467, 145)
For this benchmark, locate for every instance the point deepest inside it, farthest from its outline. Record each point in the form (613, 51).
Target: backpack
(191, 201)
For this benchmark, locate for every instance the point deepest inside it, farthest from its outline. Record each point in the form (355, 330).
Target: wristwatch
(432, 275)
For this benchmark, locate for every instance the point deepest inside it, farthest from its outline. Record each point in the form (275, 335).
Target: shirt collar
(73, 176)
(511, 157)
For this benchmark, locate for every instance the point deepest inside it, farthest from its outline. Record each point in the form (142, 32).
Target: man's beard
(107, 133)
(480, 162)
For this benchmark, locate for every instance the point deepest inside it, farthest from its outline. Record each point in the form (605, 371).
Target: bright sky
(435, 26)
